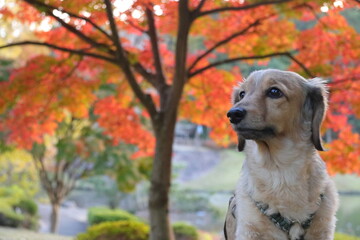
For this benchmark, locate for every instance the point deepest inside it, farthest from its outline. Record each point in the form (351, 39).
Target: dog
(284, 191)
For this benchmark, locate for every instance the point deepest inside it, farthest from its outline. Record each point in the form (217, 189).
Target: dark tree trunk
(164, 125)
(54, 217)
(161, 181)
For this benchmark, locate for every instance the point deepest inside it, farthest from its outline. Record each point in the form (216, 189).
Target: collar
(282, 222)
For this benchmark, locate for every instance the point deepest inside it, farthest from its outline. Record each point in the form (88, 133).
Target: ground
(72, 220)
(17, 234)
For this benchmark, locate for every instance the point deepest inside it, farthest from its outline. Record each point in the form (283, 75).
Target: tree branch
(154, 46)
(49, 45)
(313, 11)
(286, 54)
(198, 8)
(244, 31)
(241, 8)
(44, 177)
(125, 65)
(50, 7)
(180, 75)
(224, 41)
(306, 70)
(345, 80)
(148, 76)
(137, 27)
(72, 70)
(71, 28)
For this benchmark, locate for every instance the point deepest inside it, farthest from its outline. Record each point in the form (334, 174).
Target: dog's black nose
(235, 115)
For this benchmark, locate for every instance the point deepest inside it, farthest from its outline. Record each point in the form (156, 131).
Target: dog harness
(277, 219)
(284, 223)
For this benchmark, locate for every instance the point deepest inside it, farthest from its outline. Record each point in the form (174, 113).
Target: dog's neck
(283, 171)
(282, 152)
(280, 161)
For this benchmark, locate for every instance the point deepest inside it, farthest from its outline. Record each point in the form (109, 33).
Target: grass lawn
(347, 183)
(340, 236)
(230, 164)
(20, 234)
(215, 180)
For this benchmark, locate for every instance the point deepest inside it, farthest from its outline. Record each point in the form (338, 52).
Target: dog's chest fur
(290, 184)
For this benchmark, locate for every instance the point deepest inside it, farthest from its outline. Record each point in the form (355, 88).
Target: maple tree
(169, 60)
(63, 158)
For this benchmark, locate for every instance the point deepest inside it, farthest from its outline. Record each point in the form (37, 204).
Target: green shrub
(341, 236)
(11, 194)
(28, 206)
(98, 215)
(11, 199)
(8, 217)
(184, 231)
(120, 230)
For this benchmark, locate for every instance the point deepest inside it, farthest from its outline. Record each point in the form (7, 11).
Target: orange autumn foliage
(123, 124)
(37, 94)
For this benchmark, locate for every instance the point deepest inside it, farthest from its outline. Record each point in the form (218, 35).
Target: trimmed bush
(98, 215)
(120, 230)
(28, 206)
(16, 210)
(8, 217)
(184, 231)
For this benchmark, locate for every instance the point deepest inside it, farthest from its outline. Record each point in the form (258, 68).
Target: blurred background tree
(78, 149)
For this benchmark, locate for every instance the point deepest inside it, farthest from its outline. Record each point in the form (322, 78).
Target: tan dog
(284, 191)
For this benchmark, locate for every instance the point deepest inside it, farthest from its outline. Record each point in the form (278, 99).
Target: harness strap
(284, 223)
(279, 221)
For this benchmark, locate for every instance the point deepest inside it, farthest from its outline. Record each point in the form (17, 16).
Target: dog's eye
(274, 93)
(242, 94)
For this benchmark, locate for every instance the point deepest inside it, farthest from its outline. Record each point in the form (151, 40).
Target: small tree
(77, 150)
(61, 160)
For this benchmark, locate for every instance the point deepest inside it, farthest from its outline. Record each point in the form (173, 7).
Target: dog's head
(273, 103)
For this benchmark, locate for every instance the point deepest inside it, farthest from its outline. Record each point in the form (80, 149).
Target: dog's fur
(282, 166)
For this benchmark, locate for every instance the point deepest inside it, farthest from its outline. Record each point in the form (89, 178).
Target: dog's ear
(315, 107)
(241, 143)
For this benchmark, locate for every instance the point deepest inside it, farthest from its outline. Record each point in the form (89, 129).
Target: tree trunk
(54, 217)
(160, 182)
(164, 125)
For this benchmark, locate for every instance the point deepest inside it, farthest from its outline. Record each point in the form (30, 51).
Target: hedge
(184, 231)
(28, 206)
(8, 217)
(109, 224)
(120, 230)
(16, 210)
(98, 215)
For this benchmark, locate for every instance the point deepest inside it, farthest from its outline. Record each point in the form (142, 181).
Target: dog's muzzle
(235, 115)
